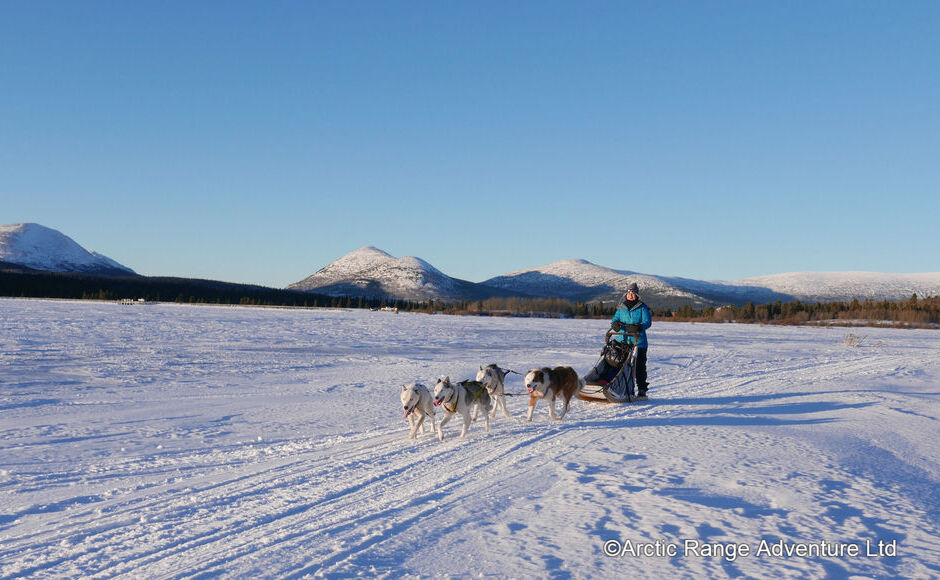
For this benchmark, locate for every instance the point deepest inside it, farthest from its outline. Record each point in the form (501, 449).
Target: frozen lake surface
(172, 441)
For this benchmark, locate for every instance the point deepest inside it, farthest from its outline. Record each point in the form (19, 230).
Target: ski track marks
(126, 454)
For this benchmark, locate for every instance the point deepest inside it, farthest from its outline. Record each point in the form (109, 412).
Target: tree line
(154, 289)
(915, 311)
(912, 312)
(918, 312)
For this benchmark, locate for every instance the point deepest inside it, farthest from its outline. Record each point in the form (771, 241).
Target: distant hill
(41, 248)
(371, 273)
(845, 286)
(29, 250)
(582, 281)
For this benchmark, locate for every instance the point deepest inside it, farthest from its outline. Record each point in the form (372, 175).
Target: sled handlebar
(610, 333)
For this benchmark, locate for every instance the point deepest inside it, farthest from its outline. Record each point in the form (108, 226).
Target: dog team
(486, 393)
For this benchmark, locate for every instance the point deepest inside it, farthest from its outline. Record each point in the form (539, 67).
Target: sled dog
(557, 382)
(417, 402)
(494, 379)
(460, 398)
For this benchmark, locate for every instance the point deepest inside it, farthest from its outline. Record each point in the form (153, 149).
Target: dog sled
(613, 378)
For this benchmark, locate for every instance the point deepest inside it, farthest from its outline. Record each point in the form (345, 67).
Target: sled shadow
(785, 408)
(732, 411)
(697, 421)
(743, 399)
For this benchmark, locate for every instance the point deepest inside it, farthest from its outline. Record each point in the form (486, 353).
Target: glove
(616, 326)
(634, 328)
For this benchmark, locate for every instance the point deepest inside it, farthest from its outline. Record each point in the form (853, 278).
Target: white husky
(460, 398)
(417, 403)
(494, 379)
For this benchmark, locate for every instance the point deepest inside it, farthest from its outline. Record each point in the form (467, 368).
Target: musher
(634, 316)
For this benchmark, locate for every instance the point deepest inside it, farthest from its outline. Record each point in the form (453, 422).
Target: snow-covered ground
(179, 441)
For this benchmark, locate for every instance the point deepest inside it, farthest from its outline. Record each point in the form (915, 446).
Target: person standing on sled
(634, 316)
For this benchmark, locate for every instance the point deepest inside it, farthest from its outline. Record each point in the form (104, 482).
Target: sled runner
(613, 378)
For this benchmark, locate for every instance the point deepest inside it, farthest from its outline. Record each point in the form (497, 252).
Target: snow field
(171, 441)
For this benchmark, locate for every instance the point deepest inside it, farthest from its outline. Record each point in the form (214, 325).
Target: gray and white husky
(494, 379)
(417, 404)
(460, 398)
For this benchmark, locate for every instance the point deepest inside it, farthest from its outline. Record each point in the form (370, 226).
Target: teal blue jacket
(639, 314)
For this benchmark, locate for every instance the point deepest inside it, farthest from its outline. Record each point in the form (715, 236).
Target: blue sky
(258, 141)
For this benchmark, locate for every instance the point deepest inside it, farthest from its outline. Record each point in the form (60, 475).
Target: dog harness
(456, 398)
(480, 387)
(465, 384)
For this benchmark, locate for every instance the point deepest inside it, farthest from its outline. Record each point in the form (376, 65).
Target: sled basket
(613, 378)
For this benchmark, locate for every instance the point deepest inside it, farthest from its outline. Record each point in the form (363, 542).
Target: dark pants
(641, 383)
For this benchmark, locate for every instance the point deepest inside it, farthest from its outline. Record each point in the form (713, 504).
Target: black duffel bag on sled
(613, 378)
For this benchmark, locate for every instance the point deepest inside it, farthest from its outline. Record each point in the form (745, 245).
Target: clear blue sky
(258, 141)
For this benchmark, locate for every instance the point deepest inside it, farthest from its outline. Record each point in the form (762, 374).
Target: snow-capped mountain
(580, 280)
(584, 281)
(845, 286)
(41, 248)
(371, 273)
(737, 293)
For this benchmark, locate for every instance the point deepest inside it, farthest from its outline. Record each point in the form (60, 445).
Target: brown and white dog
(557, 382)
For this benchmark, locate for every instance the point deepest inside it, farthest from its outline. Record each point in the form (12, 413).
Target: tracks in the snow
(312, 504)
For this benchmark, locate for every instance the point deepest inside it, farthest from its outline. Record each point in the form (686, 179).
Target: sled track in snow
(319, 523)
(752, 432)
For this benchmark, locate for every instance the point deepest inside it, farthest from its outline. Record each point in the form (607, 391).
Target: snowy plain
(177, 441)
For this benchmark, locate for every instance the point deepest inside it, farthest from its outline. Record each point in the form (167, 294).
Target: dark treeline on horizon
(911, 312)
(88, 287)
(914, 311)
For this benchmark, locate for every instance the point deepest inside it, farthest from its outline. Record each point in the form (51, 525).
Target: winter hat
(633, 288)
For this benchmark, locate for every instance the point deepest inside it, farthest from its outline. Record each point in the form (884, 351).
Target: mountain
(844, 286)
(582, 281)
(371, 273)
(736, 293)
(41, 248)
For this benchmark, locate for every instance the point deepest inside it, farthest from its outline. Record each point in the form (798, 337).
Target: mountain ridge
(370, 272)
(580, 280)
